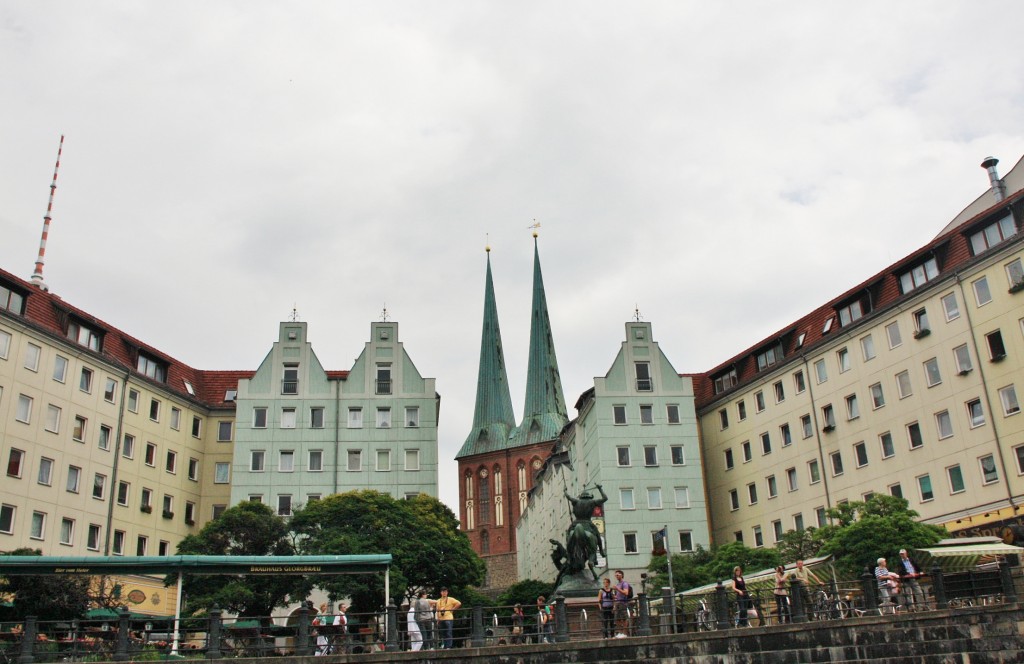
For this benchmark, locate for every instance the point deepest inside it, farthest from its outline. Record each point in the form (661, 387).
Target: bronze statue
(583, 541)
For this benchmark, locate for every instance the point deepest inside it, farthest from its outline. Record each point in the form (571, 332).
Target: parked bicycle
(705, 617)
(825, 606)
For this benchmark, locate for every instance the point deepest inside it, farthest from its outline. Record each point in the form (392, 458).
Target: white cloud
(725, 168)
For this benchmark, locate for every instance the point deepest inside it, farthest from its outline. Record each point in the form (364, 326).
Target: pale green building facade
(636, 436)
(303, 433)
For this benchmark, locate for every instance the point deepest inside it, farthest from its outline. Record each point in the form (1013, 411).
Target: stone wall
(502, 571)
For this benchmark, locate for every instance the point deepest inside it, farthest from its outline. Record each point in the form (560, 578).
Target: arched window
(469, 485)
(485, 542)
(497, 481)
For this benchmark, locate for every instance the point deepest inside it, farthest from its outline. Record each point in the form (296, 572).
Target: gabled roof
(49, 314)
(951, 249)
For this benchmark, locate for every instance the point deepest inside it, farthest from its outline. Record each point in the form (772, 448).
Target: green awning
(764, 578)
(964, 557)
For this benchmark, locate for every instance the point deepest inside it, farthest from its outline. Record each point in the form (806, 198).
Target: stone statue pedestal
(578, 585)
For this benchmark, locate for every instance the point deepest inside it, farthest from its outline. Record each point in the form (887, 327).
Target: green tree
(421, 534)
(46, 596)
(526, 592)
(862, 532)
(688, 570)
(799, 544)
(247, 529)
(703, 567)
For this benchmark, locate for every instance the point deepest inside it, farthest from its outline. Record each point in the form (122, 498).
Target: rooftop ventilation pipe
(998, 187)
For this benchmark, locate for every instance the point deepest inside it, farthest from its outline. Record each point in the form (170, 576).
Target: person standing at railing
(804, 576)
(425, 618)
(623, 595)
(781, 593)
(910, 572)
(446, 607)
(606, 602)
(739, 586)
(545, 622)
(518, 623)
(887, 582)
(412, 629)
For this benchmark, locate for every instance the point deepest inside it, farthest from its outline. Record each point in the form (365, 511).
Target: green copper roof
(493, 419)
(544, 415)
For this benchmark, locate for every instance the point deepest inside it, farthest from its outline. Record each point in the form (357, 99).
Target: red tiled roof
(952, 251)
(49, 314)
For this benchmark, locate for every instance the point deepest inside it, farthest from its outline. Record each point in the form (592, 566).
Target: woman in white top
(415, 638)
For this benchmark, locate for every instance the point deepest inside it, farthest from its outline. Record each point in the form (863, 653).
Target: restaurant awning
(962, 557)
(765, 578)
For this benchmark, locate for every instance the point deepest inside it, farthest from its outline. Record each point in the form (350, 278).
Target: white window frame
(892, 334)
(627, 500)
(52, 423)
(1009, 401)
(654, 499)
(867, 348)
(962, 357)
(982, 292)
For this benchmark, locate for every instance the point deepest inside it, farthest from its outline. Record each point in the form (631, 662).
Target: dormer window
(726, 381)
(84, 335)
(919, 275)
(769, 357)
(152, 367)
(850, 313)
(11, 300)
(993, 234)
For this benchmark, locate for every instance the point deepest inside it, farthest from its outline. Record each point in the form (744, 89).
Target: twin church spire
(544, 414)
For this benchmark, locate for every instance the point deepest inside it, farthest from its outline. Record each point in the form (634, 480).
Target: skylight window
(828, 325)
(188, 388)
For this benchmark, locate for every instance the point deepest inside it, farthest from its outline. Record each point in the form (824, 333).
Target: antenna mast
(37, 275)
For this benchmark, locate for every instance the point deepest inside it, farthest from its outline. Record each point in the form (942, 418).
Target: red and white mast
(37, 275)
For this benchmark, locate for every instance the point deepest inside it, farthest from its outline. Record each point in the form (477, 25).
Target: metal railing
(125, 636)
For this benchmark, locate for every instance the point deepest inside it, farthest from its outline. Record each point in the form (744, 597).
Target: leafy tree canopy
(526, 592)
(247, 529)
(421, 534)
(799, 544)
(48, 597)
(702, 567)
(862, 532)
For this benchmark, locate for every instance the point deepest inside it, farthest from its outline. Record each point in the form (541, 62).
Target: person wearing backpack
(623, 595)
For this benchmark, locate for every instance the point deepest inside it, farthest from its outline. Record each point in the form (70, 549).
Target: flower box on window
(168, 515)
(146, 509)
(923, 332)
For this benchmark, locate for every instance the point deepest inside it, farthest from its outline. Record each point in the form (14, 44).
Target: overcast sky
(725, 167)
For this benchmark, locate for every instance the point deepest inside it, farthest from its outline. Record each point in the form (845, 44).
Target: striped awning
(966, 556)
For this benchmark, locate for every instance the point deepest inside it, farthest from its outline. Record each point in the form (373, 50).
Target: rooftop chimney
(998, 187)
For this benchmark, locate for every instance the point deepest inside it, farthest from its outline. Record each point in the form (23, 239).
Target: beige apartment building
(906, 384)
(109, 445)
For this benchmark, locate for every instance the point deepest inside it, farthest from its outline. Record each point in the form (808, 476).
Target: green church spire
(493, 419)
(544, 415)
